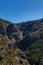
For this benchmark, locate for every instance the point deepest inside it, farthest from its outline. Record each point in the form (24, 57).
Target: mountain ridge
(22, 37)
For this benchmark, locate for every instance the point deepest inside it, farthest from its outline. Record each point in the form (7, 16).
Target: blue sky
(21, 10)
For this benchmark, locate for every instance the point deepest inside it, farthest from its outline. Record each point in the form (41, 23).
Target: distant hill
(21, 43)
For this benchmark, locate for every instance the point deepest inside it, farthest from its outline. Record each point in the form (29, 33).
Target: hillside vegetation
(21, 43)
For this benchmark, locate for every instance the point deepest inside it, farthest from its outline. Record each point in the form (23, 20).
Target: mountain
(21, 43)
(9, 53)
(32, 43)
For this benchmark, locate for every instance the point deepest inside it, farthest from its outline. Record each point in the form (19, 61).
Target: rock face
(13, 32)
(10, 30)
(2, 30)
(22, 41)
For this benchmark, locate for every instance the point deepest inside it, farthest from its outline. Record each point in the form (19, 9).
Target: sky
(21, 10)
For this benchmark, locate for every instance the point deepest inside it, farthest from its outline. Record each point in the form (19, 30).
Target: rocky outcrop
(2, 30)
(14, 33)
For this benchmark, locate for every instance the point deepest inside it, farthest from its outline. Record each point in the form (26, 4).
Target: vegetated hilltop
(21, 43)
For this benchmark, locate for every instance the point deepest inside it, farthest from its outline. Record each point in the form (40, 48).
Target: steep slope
(10, 30)
(22, 41)
(9, 53)
(32, 43)
(13, 32)
(30, 26)
(12, 56)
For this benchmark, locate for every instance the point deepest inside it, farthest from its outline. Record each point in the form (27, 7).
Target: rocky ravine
(21, 42)
(9, 53)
